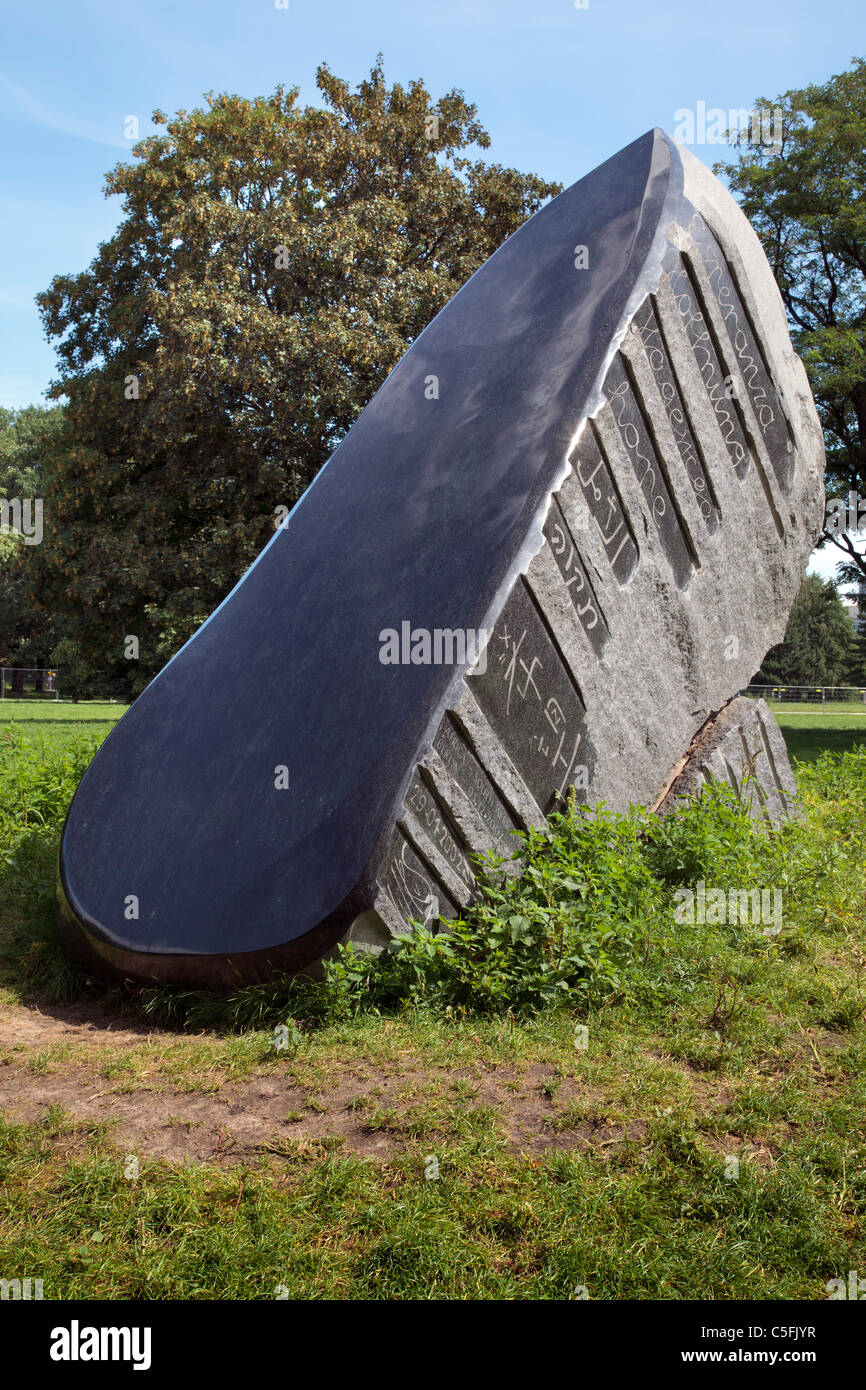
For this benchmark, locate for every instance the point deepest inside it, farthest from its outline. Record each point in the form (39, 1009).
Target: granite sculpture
(554, 547)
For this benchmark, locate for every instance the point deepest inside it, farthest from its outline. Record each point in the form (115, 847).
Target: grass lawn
(809, 730)
(54, 723)
(702, 1139)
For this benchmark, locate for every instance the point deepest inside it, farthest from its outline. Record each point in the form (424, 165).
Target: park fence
(39, 683)
(28, 683)
(810, 694)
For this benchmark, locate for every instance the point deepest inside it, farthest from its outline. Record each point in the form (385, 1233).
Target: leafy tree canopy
(820, 645)
(272, 265)
(26, 439)
(807, 201)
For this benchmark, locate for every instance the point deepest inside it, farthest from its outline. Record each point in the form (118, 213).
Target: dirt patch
(370, 1111)
(757, 1151)
(372, 1118)
(71, 1023)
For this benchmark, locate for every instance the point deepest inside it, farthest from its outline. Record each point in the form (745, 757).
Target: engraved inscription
(410, 887)
(470, 776)
(421, 801)
(717, 387)
(533, 705)
(753, 368)
(605, 505)
(577, 581)
(636, 441)
(646, 324)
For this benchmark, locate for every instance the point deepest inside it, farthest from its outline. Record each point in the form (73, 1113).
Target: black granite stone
(646, 325)
(268, 791)
(533, 705)
(574, 573)
(750, 360)
(717, 382)
(410, 887)
(650, 472)
(437, 828)
(464, 767)
(418, 515)
(605, 504)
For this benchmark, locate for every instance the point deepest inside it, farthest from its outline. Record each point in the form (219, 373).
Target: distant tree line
(806, 199)
(823, 644)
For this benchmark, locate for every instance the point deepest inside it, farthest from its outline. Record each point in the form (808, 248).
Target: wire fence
(40, 683)
(810, 694)
(28, 683)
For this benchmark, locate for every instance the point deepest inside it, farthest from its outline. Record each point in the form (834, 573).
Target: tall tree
(272, 266)
(858, 670)
(27, 636)
(807, 201)
(820, 644)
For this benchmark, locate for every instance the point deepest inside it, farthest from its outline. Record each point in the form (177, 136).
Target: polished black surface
(418, 516)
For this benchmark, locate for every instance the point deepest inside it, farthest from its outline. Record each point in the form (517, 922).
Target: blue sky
(558, 88)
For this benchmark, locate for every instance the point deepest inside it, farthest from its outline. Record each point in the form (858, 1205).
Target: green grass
(656, 1222)
(809, 730)
(708, 1041)
(53, 724)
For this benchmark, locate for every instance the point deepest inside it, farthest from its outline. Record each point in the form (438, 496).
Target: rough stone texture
(673, 550)
(743, 746)
(618, 476)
